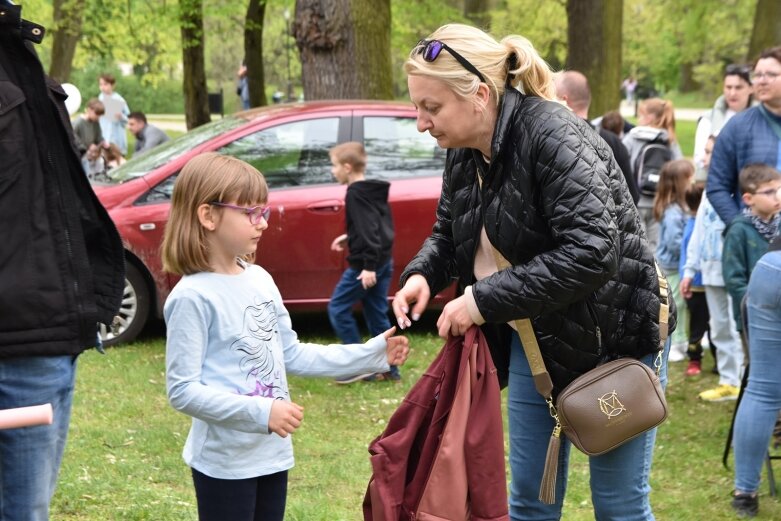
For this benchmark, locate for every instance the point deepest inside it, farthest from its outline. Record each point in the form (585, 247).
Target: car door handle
(325, 206)
(145, 227)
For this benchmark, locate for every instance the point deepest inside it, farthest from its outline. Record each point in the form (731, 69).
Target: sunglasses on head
(431, 49)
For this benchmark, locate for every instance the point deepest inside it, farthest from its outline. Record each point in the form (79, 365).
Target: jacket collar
(11, 20)
(507, 108)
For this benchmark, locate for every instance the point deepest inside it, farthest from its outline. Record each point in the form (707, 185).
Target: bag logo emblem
(610, 405)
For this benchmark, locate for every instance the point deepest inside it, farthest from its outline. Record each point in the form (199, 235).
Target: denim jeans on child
(758, 409)
(31, 456)
(348, 292)
(619, 479)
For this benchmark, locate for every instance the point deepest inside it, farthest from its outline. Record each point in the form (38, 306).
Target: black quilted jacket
(556, 205)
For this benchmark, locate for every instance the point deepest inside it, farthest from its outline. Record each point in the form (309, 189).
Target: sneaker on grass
(721, 393)
(352, 379)
(745, 505)
(694, 368)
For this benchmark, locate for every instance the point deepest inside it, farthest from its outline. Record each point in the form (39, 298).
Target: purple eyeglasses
(430, 49)
(255, 213)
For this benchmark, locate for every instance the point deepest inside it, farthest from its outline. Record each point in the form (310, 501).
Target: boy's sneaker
(695, 368)
(721, 393)
(353, 379)
(745, 505)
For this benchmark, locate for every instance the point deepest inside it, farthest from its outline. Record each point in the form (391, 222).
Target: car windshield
(139, 165)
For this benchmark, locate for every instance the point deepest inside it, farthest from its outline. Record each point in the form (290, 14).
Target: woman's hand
(397, 347)
(285, 417)
(415, 291)
(686, 288)
(455, 318)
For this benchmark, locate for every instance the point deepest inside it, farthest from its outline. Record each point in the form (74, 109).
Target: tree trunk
(686, 81)
(345, 48)
(767, 28)
(594, 43)
(476, 11)
(68, 16)
(253, 52)
(196, 99)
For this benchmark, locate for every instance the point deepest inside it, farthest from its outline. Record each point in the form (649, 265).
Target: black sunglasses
(430, 49)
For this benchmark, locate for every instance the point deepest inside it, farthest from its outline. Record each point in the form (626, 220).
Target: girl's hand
(397, 347)
(455, 318)
(285, 417)
(415, 290)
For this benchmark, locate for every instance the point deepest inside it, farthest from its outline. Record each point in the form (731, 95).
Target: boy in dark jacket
(747, 236)
(369, 240)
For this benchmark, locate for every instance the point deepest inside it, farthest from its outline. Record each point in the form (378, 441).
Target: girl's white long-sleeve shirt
(229, 346)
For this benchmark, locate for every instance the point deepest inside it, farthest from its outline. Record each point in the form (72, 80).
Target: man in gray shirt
(147, 136)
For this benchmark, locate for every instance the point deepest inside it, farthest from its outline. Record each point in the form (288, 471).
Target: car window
(292, 154)
(147, 161)
(396, 149)
(160, 193)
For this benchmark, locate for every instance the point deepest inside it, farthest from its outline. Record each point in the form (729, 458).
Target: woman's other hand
(455, 318)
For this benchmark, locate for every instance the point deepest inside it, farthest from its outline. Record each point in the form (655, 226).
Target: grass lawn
(123, 459)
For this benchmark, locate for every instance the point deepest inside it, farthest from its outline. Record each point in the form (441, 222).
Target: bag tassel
(548, 484)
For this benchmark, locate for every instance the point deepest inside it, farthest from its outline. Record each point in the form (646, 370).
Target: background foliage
(669, 45)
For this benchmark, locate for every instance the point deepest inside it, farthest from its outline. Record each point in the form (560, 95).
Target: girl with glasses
(230, 344)
(527, 177)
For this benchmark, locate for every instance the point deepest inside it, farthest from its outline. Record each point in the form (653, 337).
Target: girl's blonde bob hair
(204, 179)
(529, 72)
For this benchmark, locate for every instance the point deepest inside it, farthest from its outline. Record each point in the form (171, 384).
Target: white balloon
(73, 101)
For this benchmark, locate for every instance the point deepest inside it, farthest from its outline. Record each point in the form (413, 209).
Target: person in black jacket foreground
(525, 175)
(61, 267)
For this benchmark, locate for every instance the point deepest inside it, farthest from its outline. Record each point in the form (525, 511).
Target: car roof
(305, 107)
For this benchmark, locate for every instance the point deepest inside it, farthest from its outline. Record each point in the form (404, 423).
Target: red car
(289, 144)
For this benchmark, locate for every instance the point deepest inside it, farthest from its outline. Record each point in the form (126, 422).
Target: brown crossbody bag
(603, 408)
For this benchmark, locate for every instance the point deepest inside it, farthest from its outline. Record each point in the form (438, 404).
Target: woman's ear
(207, 217)
(483, 95)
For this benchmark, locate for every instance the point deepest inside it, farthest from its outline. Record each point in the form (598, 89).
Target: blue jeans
(761, 400)
(30, 456)
(619, 479)
(348, 292)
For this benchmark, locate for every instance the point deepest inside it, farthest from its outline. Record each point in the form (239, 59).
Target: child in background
(655, 124)
(703, 255)
(92, 162)
(670, 210)
(747, 236)
(86, 128)
(112, 156)
(369, 239)
(114, 121)
(230, 344)
(696, 302)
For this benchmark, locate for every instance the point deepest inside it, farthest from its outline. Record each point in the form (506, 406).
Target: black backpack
(648, 164)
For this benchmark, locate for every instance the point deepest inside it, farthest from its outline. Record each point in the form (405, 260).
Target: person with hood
(736, 96)
(369, 239)
(527, 178)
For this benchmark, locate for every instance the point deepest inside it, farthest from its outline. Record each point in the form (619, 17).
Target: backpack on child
(655, 152)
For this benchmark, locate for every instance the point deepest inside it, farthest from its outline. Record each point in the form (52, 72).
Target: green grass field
(123, 460)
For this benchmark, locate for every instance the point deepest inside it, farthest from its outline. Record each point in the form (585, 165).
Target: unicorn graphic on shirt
(257, 361)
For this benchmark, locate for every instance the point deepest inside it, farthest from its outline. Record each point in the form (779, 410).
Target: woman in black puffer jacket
(526, 176)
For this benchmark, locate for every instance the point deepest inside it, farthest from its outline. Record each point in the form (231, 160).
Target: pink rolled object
(26, 416)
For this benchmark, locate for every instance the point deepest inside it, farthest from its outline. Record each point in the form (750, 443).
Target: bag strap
(544, 384)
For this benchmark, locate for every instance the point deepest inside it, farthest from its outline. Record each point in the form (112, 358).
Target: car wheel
(133, 311)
